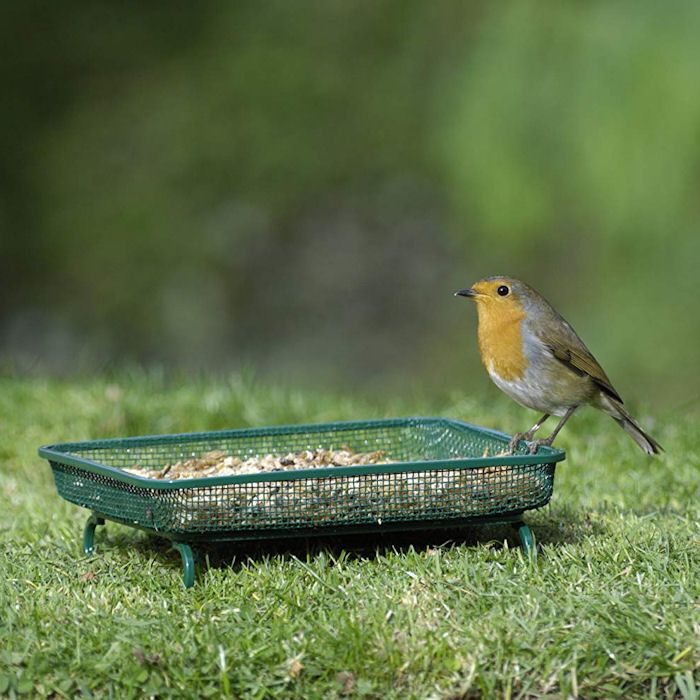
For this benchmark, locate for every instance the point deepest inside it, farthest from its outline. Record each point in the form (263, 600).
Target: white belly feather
(529, 391)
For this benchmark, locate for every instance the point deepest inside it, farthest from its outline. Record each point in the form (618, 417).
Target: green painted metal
(527, 540)
(89, 533)
(187, 563)
(445, 473)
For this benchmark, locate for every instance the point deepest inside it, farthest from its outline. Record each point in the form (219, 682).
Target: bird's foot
(517, 439)
(532, 445)
(535, 444)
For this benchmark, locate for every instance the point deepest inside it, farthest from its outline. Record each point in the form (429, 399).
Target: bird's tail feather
(631, 427)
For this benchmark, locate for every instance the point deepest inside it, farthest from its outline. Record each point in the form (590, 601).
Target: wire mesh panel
(441, 470)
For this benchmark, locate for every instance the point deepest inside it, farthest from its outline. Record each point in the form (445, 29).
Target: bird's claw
(516, 440)
(536, 444)
(532, 445)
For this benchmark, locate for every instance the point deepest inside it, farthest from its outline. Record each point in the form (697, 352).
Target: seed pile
(218, 463)
(337, 500)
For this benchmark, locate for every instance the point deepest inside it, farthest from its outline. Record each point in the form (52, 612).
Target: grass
(611, 609)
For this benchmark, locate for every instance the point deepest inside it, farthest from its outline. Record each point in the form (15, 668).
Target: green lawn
(610, 609)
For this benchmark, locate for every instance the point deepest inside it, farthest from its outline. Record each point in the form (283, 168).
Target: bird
(534, 355)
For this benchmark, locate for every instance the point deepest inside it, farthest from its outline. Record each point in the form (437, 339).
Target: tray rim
(58, 453)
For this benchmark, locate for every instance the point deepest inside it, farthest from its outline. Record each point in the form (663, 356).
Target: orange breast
(500, 341)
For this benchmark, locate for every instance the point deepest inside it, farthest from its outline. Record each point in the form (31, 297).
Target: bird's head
(498, 294)
(500, 298)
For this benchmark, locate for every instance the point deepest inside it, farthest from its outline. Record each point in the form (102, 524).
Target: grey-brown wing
(571, 351)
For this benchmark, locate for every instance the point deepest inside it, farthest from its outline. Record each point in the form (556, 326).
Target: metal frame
(65, 454)
(184, 547)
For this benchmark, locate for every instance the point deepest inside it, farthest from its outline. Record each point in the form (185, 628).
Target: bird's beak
(466, 293)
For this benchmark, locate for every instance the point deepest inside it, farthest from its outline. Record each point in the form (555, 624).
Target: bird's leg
(534, 445)
(537, 426)
(513, 444)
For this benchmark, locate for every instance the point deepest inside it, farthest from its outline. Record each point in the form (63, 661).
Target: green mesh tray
(441, 477)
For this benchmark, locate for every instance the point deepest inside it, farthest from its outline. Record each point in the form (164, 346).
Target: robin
(533, 355)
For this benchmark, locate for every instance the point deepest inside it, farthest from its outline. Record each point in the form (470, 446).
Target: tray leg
(187, 563)
(527, 540)
(89, 532)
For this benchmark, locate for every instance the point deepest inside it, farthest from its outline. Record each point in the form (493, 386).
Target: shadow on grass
(552, 527)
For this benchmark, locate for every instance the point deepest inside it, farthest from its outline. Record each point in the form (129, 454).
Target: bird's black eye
(503, 291)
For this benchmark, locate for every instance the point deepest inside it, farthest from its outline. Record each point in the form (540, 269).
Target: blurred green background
(300, 187)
